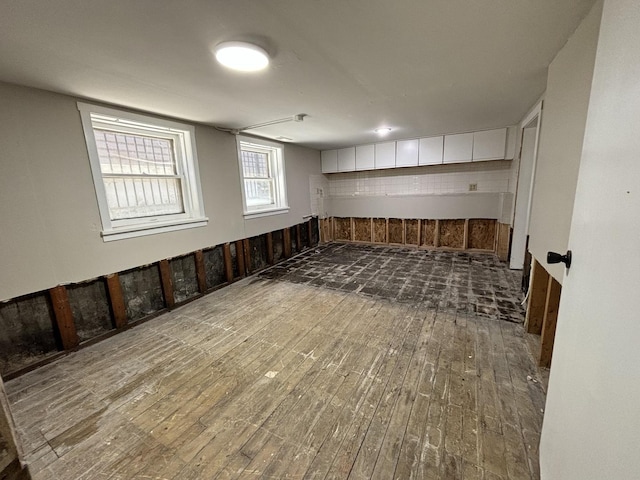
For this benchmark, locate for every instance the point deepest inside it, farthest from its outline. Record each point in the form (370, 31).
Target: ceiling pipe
(294, 118)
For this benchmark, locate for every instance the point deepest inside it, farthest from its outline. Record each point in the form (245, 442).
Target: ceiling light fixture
(242, 56)
(382, 131)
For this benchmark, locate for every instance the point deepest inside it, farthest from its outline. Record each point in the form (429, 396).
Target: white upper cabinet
(407, 153)
(385, 155)
(365, 157)
(329, 161)
(430, 150)
(495, 144)
(489, 145)
(347, 159)
(458, 148)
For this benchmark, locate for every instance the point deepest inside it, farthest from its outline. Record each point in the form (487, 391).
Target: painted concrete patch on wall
(183, 273)
(142, 292)
(26, 332)
(90, 306)
(214, 266)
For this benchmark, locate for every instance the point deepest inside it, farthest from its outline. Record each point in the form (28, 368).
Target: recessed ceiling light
(382, 131)
(242, 56)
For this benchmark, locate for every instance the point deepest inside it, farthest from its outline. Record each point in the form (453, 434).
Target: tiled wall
(318, 190)
(494, 176)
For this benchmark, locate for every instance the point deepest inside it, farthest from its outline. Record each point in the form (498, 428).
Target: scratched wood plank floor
(267, 379)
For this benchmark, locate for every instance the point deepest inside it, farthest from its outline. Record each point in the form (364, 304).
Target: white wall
(591, 428)
(561, 134)
(50, 222)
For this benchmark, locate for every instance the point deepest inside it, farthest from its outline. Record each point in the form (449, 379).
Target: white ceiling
(420, 66)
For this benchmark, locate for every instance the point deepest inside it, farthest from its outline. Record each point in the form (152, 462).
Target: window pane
(134, 154)
(259, 192)
(143, 197)
(255, 164)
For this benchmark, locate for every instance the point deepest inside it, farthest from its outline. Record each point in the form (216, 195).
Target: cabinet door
(365, 155)
(329, 161)
(407, 153)
(458, 148)
(347, 159)
(430, 152)
(489, 145)
(385, 155)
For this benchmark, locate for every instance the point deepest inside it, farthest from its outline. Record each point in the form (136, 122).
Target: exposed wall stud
(465, 240)
(270, 248)
(309, 241)
(550, 320)
(298, 238)
(436, 234)
(246, 250)
(64, 317)
(116, 298)
(167, 283)
(287, 242)
(386, 232)
(537, 299)
(228, 264)
(240, 258)
(502, 248)
(200, 271)
(419, 232)
(372, 234)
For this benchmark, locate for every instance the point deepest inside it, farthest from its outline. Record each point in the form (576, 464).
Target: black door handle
(553, 257)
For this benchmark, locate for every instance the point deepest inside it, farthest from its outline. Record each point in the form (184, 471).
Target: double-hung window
(263, 177)
(145, 172)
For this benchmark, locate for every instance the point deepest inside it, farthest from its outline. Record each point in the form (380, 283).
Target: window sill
(148, 229)
(265, 213)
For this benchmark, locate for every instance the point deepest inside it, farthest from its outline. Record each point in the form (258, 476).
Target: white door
(592, 419)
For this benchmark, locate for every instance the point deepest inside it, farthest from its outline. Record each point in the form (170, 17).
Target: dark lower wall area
(484, 234)
(37, 328)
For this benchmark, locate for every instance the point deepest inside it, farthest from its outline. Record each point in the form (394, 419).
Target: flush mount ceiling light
(242, 56)
(382, 131)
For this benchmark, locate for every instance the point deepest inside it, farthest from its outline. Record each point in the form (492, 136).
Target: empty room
(319, 239)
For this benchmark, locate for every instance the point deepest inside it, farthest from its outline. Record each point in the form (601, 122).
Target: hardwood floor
(273, 379)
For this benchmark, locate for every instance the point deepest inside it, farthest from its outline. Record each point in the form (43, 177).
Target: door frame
(533, 119)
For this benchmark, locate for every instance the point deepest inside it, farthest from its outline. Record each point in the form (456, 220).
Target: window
(145, 172)
(263, 178)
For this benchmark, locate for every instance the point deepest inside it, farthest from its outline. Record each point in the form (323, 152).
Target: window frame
(276, 160)
(183, 137)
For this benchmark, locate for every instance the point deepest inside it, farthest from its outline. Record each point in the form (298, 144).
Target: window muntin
(258, 180)
(140, 174)
(145, 172)
(263, 179)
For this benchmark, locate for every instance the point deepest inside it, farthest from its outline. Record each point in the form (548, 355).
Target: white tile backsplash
(437, 179)
(318, 191)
